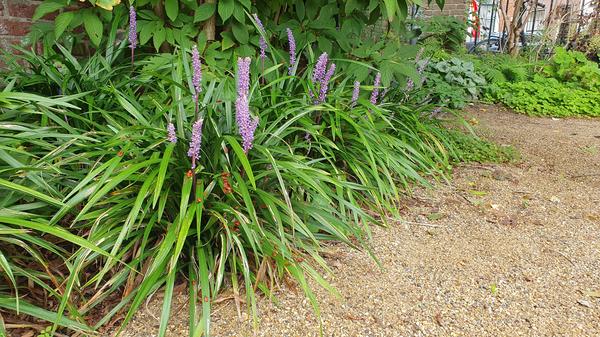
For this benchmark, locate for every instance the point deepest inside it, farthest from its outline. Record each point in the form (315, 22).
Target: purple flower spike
(243, 73)
(132, 28)
(246, 124)
(261, 41)
(355, 93)
(320, 67)
(195, 142)
(422, 66)
(419, 54)
(383, 94)
(375, 91)
(410, 84)
(171, 136)
(325, 83)
(292, 45)
(197, 69)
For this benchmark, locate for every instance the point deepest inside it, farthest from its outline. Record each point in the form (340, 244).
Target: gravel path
(516, 253)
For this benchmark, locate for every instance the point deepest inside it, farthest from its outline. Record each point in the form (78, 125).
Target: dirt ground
(503, 250)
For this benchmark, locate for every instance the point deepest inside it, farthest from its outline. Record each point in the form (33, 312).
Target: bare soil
(501, 250)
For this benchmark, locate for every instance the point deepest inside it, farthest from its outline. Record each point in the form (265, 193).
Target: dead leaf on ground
(585, 303)
(438, 319)
(435, 216)
(477, 193)
(595, 294)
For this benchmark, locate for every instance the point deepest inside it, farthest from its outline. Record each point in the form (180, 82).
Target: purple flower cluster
(132, 28)
(355, 93)
(261, 41)
(197, 72)
(410, 84)
(246, 123)
(171, 136)
(195, 142)
(375, 92)
(321, 76)
(324, 87)
(243, 76)
(421, 68)
(320, 67)
(292, 45)
(383, 94)
(419, 54)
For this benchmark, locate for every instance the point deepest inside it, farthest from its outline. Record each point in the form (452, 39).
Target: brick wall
(15, 20)
(456, 8)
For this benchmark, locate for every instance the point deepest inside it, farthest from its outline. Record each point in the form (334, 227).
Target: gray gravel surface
(514, 251)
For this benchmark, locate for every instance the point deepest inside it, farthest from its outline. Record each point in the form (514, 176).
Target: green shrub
(546, 97)
(451, 83)
(98, 203)
(443, 32)
(574, 68)
(468, 148)
(503, 68)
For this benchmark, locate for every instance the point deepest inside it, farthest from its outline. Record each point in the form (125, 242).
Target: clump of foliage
(473, 149)
(573, 67)
(99, 191)
(225, 29)
(443, 32)
(451, 83)
(496, 68)
(546, 97)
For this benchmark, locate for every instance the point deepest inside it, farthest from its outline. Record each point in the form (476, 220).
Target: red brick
(7, 42)
(26, 9)
(14, 27)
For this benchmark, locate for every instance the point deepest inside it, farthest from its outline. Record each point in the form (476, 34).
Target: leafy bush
(573, 67)
(503, 68)
(451, 83)
(546, 97)
(473, 149)
(108, 209)
(322, 25)
(445, 32)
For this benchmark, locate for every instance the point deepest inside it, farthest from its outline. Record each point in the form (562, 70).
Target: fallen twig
(421, 224)
(585, 175)
(566, 258)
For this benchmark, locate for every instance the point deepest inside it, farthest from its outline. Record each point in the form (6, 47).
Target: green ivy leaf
(246, 3)
(204, 12)
(240, 32)
(312, 8)
(146, 28)
(47, 7)
(227, 41)
(300, 10)
(226, 8)
(351, 6)
(159, 37)
(170, 36)
(172, 9)
(239, 14)
(324, 44)
(61, 23)
(390, 8)
(93, 27)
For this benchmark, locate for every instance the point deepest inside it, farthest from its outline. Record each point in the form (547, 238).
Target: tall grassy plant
(93, 166)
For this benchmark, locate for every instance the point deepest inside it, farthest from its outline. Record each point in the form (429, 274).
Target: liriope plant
(163, 175)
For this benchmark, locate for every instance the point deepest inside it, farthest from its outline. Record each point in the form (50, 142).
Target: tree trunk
(159, 10)
(210, 25)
